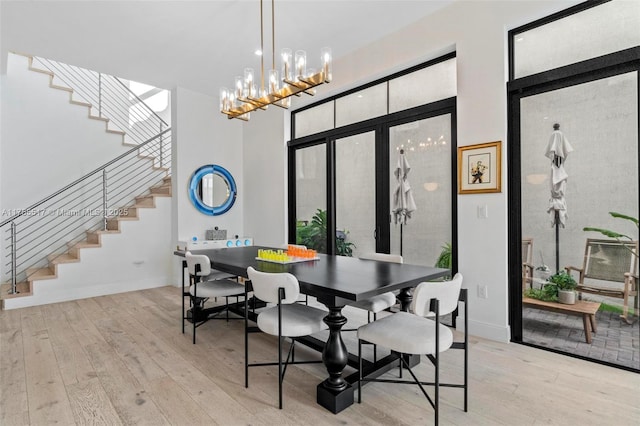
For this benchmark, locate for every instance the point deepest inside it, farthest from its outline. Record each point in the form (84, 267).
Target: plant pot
(568, 297)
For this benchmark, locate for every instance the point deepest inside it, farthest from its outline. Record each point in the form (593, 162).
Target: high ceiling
(198, 45)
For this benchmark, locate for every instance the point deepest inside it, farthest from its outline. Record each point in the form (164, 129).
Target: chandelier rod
(261, 52)
(273, 35)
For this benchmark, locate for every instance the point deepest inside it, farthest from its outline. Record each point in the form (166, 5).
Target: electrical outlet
(483, 292)
(483, 212)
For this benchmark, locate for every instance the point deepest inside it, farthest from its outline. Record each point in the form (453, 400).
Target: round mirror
(212, 190)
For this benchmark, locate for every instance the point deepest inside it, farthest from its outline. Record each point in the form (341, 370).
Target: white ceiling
(199, 45)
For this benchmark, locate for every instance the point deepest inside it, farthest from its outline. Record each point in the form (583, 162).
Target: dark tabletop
(330, 277)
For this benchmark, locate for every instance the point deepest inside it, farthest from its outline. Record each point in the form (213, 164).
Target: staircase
(58, 229)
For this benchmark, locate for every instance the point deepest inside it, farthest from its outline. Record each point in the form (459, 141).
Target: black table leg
(335, 394)
(405, 297)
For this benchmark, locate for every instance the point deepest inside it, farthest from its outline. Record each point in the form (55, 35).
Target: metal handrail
(83, 178)
(103, 93)
(81, 207)
(140, 101)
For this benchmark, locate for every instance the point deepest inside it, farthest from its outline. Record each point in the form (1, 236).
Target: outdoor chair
(415, 334)
(610, 269)
(201, 289)
(527, 263)
(286, 319)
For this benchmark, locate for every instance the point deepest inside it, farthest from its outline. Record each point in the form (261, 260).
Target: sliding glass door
(426, 147)
(593, 129)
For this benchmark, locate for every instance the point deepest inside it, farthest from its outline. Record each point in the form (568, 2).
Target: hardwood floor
(122, 360)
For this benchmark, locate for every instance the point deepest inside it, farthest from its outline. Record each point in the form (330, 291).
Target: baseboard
(488, 331)
(44, 296)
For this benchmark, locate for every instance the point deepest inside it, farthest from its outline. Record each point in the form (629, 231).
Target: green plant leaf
(606, 232)
(624, 216)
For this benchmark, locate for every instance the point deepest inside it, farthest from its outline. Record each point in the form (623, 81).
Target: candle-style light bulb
(238, 87)
(224, 99)
(325, 54)
(248, 82)
(274, 83)
(301, 64)
(286, 64)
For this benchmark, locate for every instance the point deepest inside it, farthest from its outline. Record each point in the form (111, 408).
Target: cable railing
(33, 237)
(109, 97)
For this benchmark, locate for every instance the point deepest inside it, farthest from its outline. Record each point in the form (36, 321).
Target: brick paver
(616, 341)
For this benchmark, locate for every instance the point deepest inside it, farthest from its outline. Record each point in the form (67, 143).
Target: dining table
(335, 281)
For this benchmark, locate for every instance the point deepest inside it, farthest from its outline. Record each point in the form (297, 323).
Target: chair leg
(359, 371)
(437, 387)
(246, 341)
(466, 356)
(293, 350)
(280, 372)
(375, 347)
(183, 300)
(194, 310)
(226, 301)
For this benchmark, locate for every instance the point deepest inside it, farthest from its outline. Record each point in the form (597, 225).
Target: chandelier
(294, 79)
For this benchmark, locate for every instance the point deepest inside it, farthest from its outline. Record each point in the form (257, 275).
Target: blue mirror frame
(195, 182)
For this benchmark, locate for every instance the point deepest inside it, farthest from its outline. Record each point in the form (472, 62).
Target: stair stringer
(136, 257)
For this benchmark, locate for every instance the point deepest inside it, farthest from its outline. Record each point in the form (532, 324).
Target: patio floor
(616, 341)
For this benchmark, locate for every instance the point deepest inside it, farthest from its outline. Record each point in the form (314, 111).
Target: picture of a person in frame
(477, 172)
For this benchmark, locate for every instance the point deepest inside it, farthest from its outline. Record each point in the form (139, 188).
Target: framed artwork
(479, 168)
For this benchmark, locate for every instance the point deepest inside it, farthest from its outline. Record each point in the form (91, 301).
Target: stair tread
(124, 218)
(85, 244)
(95, 117)
(65, 258)
(117, 132)
(66, 89)
(40, 274)
(31, 68)
(81, 103)
(23, 288)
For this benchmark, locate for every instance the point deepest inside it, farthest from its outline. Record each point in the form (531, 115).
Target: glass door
(423, 234)
(579, 161)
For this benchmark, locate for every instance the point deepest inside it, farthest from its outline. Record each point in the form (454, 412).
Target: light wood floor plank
(91, 405)
(48, 401)
(14, 407)
(134, 366)
(72, 361)
(192, 381)
(126, 393)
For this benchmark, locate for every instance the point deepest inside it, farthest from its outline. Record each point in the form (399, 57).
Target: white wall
(203, 136)
(265, 176)
(478, 30)
(39, 131)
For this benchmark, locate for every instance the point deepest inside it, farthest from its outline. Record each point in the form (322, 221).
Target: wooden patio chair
(614, 262)
(527, 263)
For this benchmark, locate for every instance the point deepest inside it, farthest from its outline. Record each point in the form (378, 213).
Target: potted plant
(313, 235)
(444, 259)
(566, 286)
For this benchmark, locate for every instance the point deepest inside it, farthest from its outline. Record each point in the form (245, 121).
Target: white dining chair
(380, 302)
(201, 289)
(286, 319)
(420, 333)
